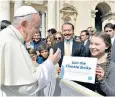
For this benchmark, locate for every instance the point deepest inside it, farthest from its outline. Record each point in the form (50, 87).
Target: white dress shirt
(112, 40)
(85, 42)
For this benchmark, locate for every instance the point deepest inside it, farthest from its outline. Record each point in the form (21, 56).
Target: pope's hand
(56, 56)
(38, 53)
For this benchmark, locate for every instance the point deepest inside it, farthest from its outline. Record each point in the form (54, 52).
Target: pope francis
(19, 77)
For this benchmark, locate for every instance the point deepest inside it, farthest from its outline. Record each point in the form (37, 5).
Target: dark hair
(77, 37)
(114, 26)
(67, 23)
(109, 25)
(39, 33)
(52, 31)
(43, 46)
(4, 24)
(87, 33)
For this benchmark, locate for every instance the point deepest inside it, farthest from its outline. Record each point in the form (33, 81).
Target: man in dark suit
(84, 36)
(109, 28)
(75, 48)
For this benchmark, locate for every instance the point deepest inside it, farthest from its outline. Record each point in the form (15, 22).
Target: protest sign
(81, 69)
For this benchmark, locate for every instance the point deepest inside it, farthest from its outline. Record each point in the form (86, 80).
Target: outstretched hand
(56, 56)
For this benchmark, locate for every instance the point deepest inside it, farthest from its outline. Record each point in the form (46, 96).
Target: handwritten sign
(79, 69)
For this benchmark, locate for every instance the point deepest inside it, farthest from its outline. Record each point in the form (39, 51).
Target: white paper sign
(81, 69)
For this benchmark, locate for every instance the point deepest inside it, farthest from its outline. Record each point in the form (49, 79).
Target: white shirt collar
(112, 40)
(18, 34)
(85, 42)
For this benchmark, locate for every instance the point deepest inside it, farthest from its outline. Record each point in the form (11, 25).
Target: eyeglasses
(57, 38)
(108, 31)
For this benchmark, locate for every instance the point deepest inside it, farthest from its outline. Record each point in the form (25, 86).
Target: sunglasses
(57, 38)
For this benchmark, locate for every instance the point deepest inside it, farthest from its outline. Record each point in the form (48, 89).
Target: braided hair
(107, 39)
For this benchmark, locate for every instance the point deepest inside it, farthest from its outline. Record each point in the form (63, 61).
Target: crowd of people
(31, 66)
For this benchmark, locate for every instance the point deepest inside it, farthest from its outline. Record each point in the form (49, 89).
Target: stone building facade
(81, 13)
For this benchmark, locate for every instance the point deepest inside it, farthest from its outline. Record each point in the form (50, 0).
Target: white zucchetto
(24, 10)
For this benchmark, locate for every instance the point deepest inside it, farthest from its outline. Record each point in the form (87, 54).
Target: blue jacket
(40, 59)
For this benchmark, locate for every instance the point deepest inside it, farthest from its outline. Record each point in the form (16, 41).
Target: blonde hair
(59, 33)
(52, 39)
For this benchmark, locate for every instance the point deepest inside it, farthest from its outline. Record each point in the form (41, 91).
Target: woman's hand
(99, 72)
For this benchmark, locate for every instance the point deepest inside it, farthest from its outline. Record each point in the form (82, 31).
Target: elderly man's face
(32, 27)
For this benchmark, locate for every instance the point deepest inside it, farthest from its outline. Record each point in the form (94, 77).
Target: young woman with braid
(100, 47)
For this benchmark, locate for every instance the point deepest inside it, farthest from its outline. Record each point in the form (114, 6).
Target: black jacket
(78, 49)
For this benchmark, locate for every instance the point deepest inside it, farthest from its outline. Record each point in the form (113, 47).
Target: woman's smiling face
(97, 46)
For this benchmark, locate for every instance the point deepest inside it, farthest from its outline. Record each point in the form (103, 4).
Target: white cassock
(18, 74)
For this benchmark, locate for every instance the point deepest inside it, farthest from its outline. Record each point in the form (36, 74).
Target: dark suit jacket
(78, 49)
(113, 52)
(87, 43)
(88, 53)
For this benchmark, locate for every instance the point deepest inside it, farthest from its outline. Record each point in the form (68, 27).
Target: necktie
(67, 49)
